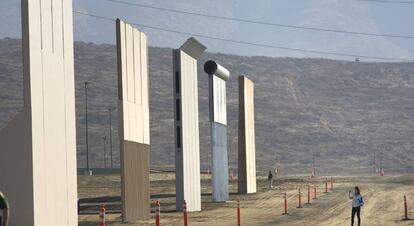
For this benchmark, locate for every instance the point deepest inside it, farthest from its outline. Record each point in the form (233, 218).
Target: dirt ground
(383, 198)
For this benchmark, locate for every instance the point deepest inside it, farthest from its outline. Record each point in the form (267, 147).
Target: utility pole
(110, 134)
(86, 129)
(104, 150)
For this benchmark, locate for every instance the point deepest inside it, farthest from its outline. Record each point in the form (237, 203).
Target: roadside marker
(299, 199)
(157, 213)
(308, 195)
(185, 214)
(286, 212)
(314, 191)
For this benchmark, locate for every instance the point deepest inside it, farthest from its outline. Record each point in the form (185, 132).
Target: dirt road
(383, 198)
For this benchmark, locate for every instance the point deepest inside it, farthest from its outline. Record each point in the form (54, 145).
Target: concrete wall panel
(42, 137)
(187, 150)
(247, 147)
(135, 181)
(218, 75)
(130, 73)
(144, 70)
(219, 102)
(134, 121)
(220, 162)
(137, 66)
(146, 125)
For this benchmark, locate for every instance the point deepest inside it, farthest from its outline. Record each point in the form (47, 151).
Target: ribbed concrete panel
(134, 121)
(220, 162)
(133, 83)
(135, 181)
(187, 150)
(39, 145)
(247, 147)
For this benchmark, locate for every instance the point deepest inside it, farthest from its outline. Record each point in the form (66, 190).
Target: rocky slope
(346, 114)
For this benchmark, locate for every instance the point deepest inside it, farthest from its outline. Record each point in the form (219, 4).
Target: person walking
(357, 203)
(270, 180)
(4, 206)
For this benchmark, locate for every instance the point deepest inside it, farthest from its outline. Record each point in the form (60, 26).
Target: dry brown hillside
(344, 112)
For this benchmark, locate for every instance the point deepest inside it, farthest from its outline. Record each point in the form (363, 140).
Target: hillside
(344, 112)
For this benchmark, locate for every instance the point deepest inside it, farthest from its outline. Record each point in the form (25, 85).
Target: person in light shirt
(357, 203)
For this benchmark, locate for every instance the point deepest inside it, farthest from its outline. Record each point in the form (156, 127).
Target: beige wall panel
(187, 151)
(130, 75)
(140, 125)
(133, 118)
(57, 30)
(190, 131)
(122, 81)
(135, 181)
(125, 119)
(137, 66)
(250, 137)
(45, 129)
(46, 25)
(134, 121)
(121, 116)
(219, 99)
(70, 110)
(247, 148)
(146, 125)
(144, 69)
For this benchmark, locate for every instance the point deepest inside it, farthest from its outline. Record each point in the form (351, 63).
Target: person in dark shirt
(270, 180)
(4, 206)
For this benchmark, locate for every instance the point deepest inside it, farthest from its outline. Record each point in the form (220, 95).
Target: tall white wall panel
(134, 121)
(38, 148)
(247, 146)
(218, 75)
(219, 100)
(187, 147)
(217, 85)
(133, 84)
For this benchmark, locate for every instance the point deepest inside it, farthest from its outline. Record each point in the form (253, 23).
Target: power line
(262, 22)
(251, 43)
(388, 1)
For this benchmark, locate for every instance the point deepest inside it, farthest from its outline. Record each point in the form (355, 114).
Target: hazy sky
(335, 14)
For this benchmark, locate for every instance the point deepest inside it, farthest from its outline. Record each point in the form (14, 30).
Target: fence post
(286, 212)
(102, 216)
(157, 213)
(326, 185)
(314, 191)
(308, 195)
